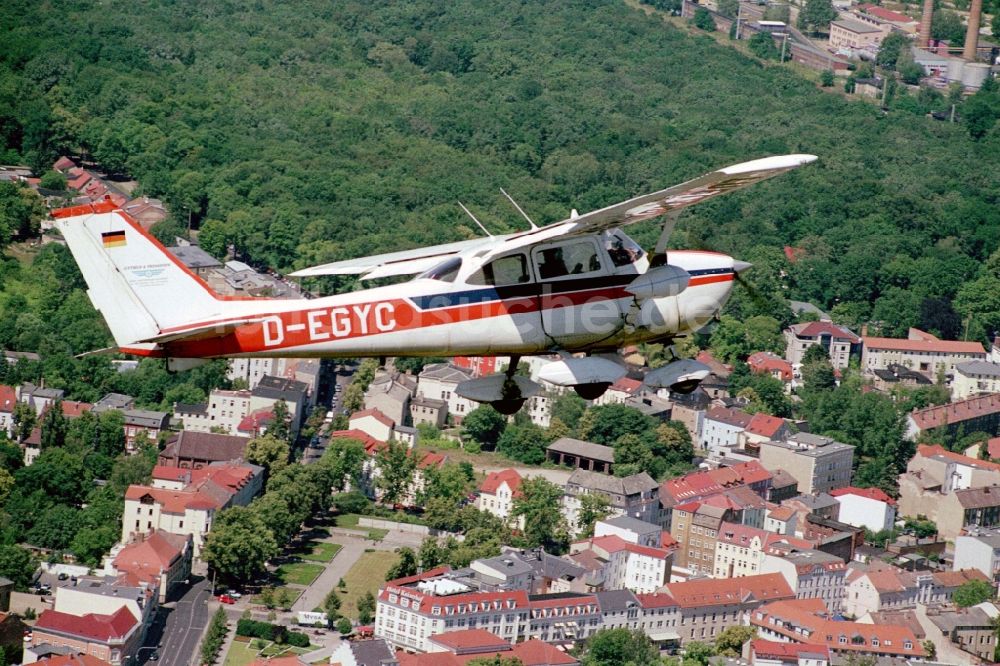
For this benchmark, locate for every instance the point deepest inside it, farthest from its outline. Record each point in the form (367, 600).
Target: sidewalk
(312, 596)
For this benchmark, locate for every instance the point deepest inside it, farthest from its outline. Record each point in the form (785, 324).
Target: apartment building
(706, 607)
(920, 351)
(636, 496)
(838, 342)
(818, 463)
(813, 574)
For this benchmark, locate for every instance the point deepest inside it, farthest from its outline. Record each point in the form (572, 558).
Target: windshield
(445, 271)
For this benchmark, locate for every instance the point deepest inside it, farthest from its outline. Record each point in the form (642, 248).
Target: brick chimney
(924, 40)
(972, 34)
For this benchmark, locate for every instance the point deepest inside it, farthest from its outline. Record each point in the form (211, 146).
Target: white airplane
(576, 286)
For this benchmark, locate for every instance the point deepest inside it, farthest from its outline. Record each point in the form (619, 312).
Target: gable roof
(629, 485)
(578, 447)
(375, 414)
(93, 626)
(764, 425)
(206, 446)
(938, 451)
(8, 398)
(870, 493)
(716, 592)
(815, 329)
(924, 343)
(729, 416)
(492, 482)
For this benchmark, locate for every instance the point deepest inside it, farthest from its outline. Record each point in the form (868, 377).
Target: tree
(762, 46)
(406, 566)
(729, 8)
(331, 606)
(826, 78)
(593, 507)
(53, 180)
(344, 626)
(524, 442)
(343, 461)
(239, 544)
(24, 418)
(18, 565)
(281, 424)
(214, 637)
(54, 426)
(568, 407)
(730, 642)
(973, 592)
(947, 25)
(703, 20)
(613, 647)
(366, 608)
(543, 526)
(395, 471)
(891, 48)
(817, 15)
(430, 554)
(778, 12)
(698, 653)
(606, 424)
(484, 425)
(269, 452)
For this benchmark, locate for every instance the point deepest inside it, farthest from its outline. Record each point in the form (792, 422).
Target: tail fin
(141, 289)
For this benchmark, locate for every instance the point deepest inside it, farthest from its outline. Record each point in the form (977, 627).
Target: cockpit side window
(445, 271)
(512, 269)
(622, 249)
(574, 258)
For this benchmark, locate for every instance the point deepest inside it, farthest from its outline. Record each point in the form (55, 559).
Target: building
(971, 629)
(294, 393)
(980, 414)
(110, 637)
(721, 429)
(865, 507)
(724, 481)
(706, 607)
(890, 588)
(974, 378)
(818, 463)
(808, 621)
(979, 550)
(953, 490)
(813, 574)
(581, 454)
(839, 342)
(200, 263)
(626, 565)
(456, 648)
(391, 395)
(772, 653)
(849, 36)
(637, 496)
(191, 510)
(38, 397)
(428, 410)
(767, 363)
(695, 527)
(630, 529)
(921, 351)
(194, 450)
(161, 558)
(497, 493)
(898, 375)
(143, 420)
(439, 380)
(739, 550)
(762, 428)
(8, 401)
(370, 652)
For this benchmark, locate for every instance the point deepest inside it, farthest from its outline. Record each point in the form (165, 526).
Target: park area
(367, 575)
(245, 650)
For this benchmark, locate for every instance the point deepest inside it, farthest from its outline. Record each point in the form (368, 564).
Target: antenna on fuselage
(519, 209)
(478, 223)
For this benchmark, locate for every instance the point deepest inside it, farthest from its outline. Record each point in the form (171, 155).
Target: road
(179, 629)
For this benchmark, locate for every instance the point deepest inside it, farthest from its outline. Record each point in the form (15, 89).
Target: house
(497, 493)
(159, 557)
(439, 380)
(581, 454)
(620, 392)
(849, 36)
(762, 428)
(971, 629)
(898, 375)
(637, 495)
(8, 401)
(704, 484)
(980, 550)
(706, 606)
(49, 655)
(980, 414)
(191, 510)
(818, 463)
(721, 429)
(456, 648)
(428, 410)
(108, 595)
(953, 490)
(780, 520)
(391, 395)
(767, 363)
(144, 420)
(626, 565)
(194, 450)
(783, 486)
(974, 378)
(809, 621)
(116, 401)
(839, 342)
(39, 397)
(193, 417)
(370, 652)
(773, 653)
(813, 574)
(631, 530)
(920, 351)
(198, 261)
(109, 637)
(374, 423)
(865, 507)
(695, 526)
(295, 394)
(890, 588)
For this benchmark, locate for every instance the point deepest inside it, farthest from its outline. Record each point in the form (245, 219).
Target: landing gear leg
(511, 400)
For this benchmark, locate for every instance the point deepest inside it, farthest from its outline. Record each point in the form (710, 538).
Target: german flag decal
(113, 238)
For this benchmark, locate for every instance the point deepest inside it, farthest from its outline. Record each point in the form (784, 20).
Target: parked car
(234, 594)
(226, 599)
(63, 576)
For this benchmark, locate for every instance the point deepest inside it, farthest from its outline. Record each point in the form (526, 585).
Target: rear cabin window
(570, 259)
(504, 271)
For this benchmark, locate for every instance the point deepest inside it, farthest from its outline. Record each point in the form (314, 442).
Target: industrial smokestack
(972, 35)
(924, 40)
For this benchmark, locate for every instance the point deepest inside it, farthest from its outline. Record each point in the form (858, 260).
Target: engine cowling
(681, 376)
(659, 282)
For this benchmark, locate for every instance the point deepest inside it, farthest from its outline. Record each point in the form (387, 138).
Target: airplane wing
(673, 198)
(406, 262)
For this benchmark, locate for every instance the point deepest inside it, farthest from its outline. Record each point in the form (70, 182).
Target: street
(178, 630)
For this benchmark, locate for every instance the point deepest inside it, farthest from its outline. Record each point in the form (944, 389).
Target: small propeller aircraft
(579, 288)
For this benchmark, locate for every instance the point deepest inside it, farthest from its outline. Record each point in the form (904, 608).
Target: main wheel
(508, 407)
(591, 391)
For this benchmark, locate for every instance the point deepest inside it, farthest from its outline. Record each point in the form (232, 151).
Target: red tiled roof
(781, 513)
(788, 618)
(765, 425)
(170, 473)
(992, 446)
(613, 543)
(8, 398)
(431, 459)
(175, 501)
(814, 329)
(709, 482)
(253, 421)
(787, 651)
(492, 482)
(354, 433)
(733, 417)
(229, 476)
(430, 573)
(72, 408)
(793, 254)
(91, 626)
(887, 14)
(374, 413)
(626, 385)
(72, 660)
(63, 163)
(712, 592)
(870, 493)
(465, 639)
(148, 558)
(932, 346)
(716, 366)
(930, 451)
(766, 362)
(656, 600)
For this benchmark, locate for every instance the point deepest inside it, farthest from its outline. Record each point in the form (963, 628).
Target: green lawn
(321, 552)
(348, 520)
(243, 654)
(300, 573)
(293, 594)
(367, 574)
